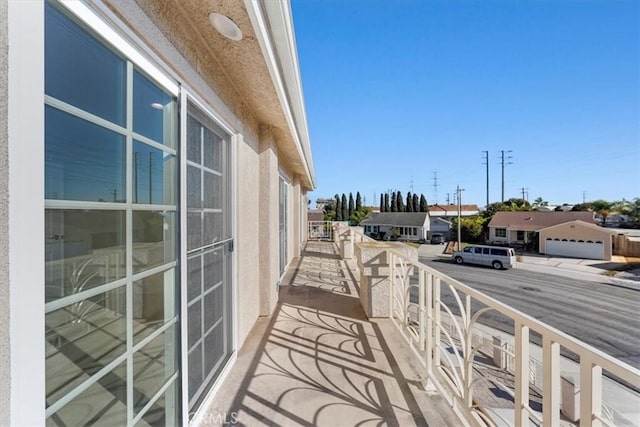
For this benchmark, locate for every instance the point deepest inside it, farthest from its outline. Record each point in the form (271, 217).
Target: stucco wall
(248, 275)
(576, 232)
(5, 379)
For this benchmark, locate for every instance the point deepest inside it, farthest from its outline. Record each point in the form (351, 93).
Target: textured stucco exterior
(5, 362)
(268, 215)
(577, 230)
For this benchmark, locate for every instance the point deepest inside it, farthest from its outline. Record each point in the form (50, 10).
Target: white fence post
(551, 382)
(522, 375)
(590, 393)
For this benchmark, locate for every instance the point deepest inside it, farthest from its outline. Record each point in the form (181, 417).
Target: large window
(110, 235)
(209, 244)
(501, 232)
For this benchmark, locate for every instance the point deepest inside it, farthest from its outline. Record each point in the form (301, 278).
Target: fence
(439, 317)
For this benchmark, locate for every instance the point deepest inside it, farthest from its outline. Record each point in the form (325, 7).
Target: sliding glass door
(209, 246)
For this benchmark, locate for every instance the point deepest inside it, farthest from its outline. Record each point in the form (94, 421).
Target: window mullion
(129, 241)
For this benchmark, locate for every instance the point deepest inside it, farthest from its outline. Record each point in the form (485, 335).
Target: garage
(575, 249)
(576, 239)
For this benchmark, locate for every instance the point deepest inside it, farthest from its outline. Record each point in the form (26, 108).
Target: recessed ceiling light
(225, 26)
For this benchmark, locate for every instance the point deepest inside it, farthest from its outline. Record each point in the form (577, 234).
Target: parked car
(437, 239)
(495, 256)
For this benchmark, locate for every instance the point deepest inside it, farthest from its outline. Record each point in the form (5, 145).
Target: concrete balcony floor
(318, 361)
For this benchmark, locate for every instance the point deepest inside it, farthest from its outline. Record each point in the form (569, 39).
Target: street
(604, 316)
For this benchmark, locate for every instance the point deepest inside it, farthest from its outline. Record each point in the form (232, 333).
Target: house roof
(534, 221)
(580, 223)
(315, 215)
(437, 219)
(416, 219)
(450, 210)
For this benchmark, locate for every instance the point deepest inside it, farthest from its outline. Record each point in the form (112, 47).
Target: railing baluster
(590, 393)
(437, 320)
(522, 375)
(468, 357)
(430, 344)
(551, 382)
(421, 308)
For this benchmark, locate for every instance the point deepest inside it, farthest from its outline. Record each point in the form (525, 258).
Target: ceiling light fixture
(225, 26)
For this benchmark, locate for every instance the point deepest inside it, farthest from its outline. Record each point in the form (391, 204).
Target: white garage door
(575, 249)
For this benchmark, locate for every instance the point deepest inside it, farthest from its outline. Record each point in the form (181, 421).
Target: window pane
(212, 150)
(212, 190)
(153, 365)
(103, 403)
(164, 411)
(154, 241)
(194, 277)
(195, 371)
(83, 338)
(194, 137)
(213, 268)
(83, 249)
(213, 307)
(194, 188)
(83, 161)
(154, 175)
(195, 322)
(194, 230)
(154, 111)
(214, 347)
(154, 303)
(81, 71)
(212, 228)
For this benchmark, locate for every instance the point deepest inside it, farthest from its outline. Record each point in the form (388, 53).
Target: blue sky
(398, 90)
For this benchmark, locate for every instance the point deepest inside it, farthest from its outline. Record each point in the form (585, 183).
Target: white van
(495, 256)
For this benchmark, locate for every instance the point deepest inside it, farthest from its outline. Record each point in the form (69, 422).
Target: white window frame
(187, 97)
(25, 25)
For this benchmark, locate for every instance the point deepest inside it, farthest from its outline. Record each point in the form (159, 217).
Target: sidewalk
(575, 268)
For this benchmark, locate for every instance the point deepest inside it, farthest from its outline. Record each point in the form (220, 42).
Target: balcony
(364, 334)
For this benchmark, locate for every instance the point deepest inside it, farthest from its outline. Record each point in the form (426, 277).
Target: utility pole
(448, 201)
(584, 197)
(486, 163)
(411, 185)
(524, 190)
(459, 198)
(435, 187)
(502, 161)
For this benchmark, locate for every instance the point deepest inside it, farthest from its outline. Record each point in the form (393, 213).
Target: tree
(416, 204)
(358, 202)
(330, 211)
(338, 208)
(400, 202)
(345, 208)
(386, 202)
(394, 202)
(382, 203)
(424, 206)
(540, 202)
(351, 205)
(409, 207)
(359, 215)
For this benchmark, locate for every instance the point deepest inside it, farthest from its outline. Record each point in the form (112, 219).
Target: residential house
(322, 203)
(154, 165)
(451, 211)
(440, 226)
(315, 215)
(577, 239)
(514, 227)
(413, 226)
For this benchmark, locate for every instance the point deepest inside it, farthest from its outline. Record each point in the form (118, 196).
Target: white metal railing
(320, 230)
(438, 316)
